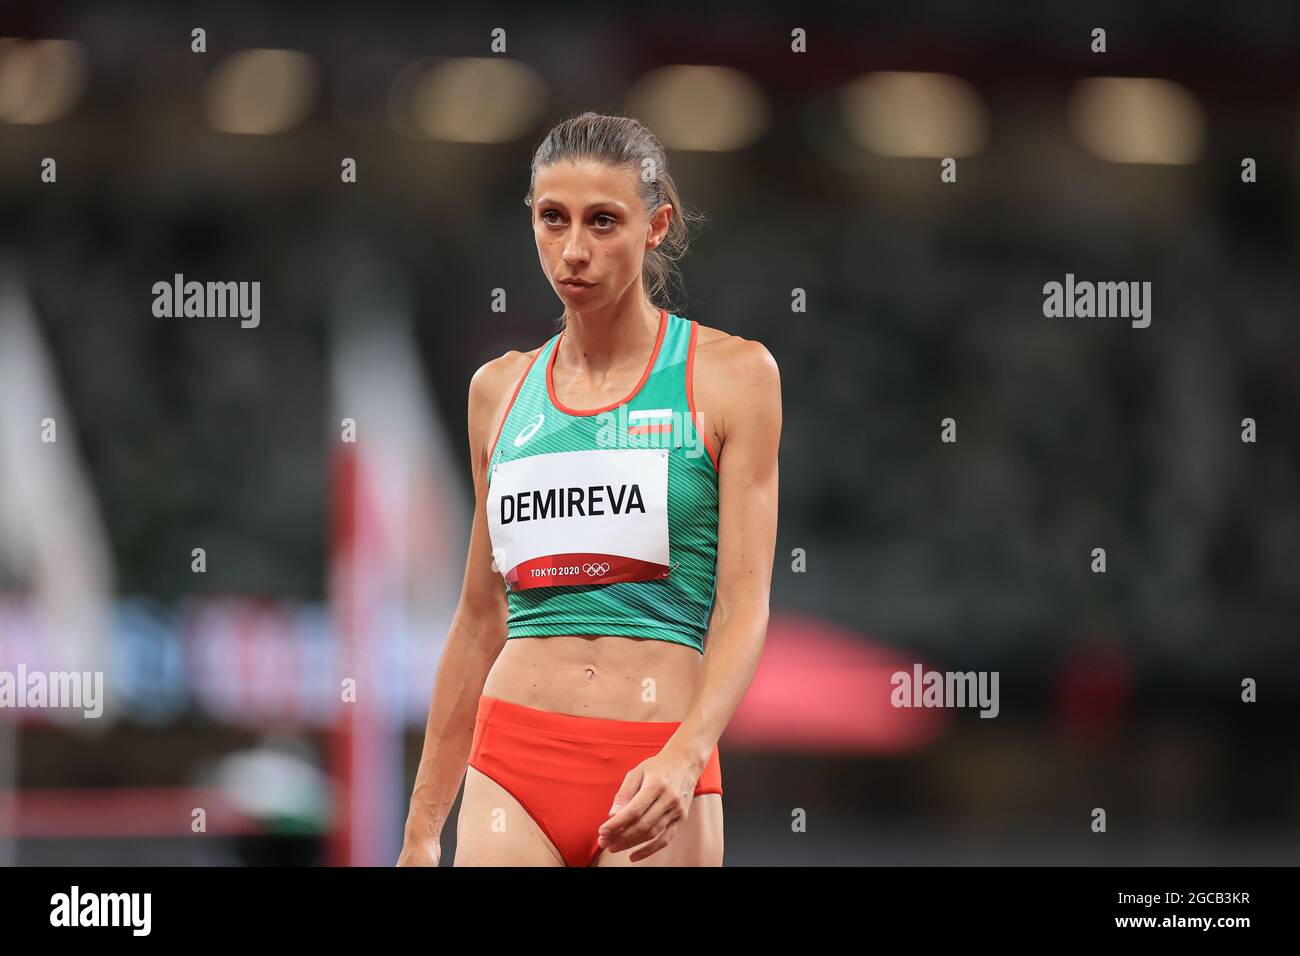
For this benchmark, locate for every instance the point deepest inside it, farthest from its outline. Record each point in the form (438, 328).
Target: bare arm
(476, 636)
(747, 509)
(652, 803)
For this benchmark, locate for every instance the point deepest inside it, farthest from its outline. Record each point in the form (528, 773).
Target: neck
(599, 341)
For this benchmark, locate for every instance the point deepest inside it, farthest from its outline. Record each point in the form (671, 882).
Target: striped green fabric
(675, 608)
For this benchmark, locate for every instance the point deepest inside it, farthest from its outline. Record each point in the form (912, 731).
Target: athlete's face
(591, 225)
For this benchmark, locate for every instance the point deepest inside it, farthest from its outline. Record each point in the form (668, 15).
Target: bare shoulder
(496, 375)
(734, 377)
(733, 361)
(490, 390)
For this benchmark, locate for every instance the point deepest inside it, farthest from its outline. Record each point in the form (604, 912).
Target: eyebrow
(543, 200)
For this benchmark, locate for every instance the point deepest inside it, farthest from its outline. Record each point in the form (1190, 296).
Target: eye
(549, 212)
(605, 215)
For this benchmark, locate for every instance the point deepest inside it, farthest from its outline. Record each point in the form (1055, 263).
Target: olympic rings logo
(596, 568)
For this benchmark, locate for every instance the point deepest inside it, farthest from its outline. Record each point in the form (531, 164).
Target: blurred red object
(823, 688)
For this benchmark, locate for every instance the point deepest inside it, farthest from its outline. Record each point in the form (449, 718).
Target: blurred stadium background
(817, 170)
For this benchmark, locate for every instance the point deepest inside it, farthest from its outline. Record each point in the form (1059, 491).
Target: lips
(576, 283)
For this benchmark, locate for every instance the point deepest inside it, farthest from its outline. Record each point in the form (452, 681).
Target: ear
(659, 225)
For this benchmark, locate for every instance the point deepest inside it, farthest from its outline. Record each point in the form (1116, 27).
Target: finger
(656, 817)
(660, 842)
(621, 808)
(636, 831)
(632, 781)
(639, 802)
(656, 841)
(631, 816)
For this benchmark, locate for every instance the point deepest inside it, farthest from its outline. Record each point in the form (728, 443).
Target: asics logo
(529, 430)
(596, 568)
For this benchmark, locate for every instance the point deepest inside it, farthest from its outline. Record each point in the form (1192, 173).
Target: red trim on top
(654, 355)
(690, 394)
(513, 396)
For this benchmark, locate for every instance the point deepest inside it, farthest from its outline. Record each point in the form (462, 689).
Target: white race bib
(580, 517)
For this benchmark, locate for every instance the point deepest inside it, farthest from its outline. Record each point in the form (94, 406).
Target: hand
(651, 805)
(420, 853)
(422, 844)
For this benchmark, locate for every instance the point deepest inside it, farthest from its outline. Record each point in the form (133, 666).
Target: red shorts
(565, 770)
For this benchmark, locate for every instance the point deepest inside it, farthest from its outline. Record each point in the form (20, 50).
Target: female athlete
(625, 478)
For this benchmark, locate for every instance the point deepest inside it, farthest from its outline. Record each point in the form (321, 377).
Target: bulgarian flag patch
(649, 421)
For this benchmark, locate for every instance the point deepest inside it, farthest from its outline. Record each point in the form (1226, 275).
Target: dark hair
(623, 141)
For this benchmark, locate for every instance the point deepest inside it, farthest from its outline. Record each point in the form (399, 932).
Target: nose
(575, 250)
